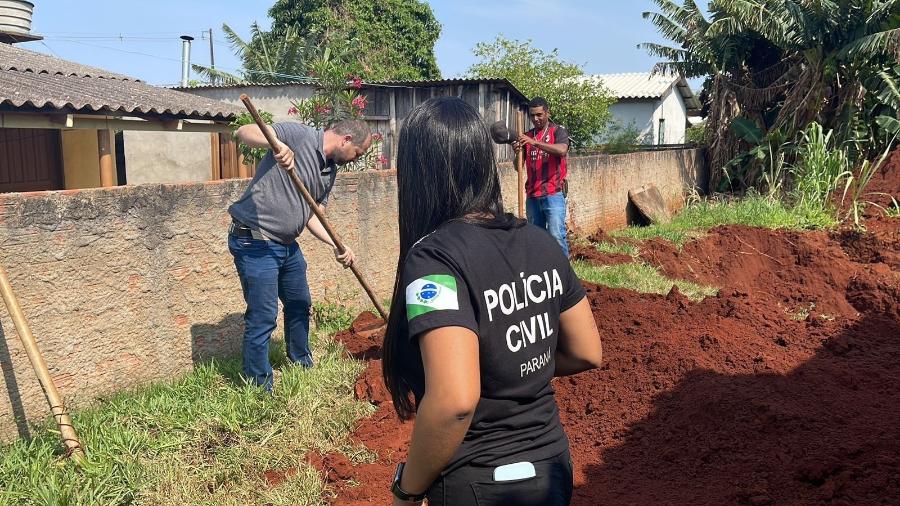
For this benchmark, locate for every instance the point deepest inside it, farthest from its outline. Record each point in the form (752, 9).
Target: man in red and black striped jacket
(546, 147)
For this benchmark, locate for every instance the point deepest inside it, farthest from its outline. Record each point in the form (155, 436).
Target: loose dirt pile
(885, 184)
(783, 389)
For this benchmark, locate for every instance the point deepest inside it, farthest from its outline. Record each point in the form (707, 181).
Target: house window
(662, 131)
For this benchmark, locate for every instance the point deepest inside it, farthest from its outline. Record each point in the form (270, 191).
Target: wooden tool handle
(520, 169)
(274, 144)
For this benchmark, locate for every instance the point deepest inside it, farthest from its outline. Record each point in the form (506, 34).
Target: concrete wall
(167, 157)
(129, 285)
(272, 99)
(598, 185)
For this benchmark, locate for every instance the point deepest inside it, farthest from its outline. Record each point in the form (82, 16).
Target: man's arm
(316, 228)
(554, 149)
(252, 136)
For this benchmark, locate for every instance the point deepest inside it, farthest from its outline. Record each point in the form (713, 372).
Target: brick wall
(124, 286)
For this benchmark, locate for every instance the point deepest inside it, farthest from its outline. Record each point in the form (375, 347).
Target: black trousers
(475, 486)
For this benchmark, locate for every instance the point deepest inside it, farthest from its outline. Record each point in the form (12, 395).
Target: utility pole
(212, 57)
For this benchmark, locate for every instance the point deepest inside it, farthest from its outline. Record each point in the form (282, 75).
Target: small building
(64, 125)
(658, 105)
(389, 102)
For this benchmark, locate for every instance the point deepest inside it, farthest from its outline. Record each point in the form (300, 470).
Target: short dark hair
(358, 130)
(538, 102)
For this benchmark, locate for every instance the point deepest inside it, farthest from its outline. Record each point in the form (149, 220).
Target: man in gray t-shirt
(267, 220)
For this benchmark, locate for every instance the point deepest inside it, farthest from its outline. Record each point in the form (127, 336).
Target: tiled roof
(637, 85)
(30, 79)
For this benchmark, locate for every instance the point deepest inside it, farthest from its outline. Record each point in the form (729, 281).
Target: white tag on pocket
(517, 471)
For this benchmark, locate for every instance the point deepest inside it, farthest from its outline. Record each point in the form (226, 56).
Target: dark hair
(538, 102)
(445, 172)
(358, 130)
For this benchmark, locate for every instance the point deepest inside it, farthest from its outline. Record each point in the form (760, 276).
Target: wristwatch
(399, 493)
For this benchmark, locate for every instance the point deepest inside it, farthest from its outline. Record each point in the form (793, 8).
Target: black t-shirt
(509, 287)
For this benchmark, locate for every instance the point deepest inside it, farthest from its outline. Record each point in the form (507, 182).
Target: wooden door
(30, 160)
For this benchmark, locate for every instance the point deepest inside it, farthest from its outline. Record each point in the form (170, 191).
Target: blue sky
(140, 38)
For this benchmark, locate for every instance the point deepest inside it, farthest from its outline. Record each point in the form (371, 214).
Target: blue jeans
(549, 213)
(270, 271)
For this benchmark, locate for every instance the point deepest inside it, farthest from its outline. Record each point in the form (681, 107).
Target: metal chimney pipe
(185, 59)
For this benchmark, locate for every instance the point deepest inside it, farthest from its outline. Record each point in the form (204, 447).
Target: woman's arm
(579, 348)
(452, 391)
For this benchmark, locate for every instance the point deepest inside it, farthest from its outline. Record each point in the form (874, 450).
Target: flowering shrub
(337, 98)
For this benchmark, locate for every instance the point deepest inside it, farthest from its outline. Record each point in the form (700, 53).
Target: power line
(76, 40)
(119, 50)
(49, 49)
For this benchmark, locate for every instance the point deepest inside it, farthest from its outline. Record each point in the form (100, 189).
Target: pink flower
(357, 83)
(292, 111)
(383, 161)
(377, 137)
(360, 102)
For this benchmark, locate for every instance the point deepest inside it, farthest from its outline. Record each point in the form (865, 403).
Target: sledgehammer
(501, 134)
(312, 204)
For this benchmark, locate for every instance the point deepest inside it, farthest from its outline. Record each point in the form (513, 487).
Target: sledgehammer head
(501, 134)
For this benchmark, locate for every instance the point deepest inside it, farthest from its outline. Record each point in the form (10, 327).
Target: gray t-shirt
(271, 203)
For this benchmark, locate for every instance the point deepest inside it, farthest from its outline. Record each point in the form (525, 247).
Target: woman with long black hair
(486, 311)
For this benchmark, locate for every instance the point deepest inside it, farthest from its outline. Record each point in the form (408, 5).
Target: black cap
(501, 134)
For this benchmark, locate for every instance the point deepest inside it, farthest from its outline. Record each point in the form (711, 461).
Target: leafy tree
(695, 134)
(378, 39)
(576, 102)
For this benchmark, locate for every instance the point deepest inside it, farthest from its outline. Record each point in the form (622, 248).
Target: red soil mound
(783, 389)
(593, 255)
(885, 184)
(797, 272)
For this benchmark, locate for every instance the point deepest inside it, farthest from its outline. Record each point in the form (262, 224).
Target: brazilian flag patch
(436, 292)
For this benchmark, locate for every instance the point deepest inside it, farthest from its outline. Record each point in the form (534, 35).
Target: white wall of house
(672, 110)
(646, 114)
(167, 157)
(639, 113)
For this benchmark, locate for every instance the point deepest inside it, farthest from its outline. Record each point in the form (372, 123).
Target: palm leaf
(885, 42)
(747, 130)
(215, 76)
(891, 125)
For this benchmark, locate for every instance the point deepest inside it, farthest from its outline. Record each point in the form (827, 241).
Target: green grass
(204, 439)
(640, 278)
(624, 249)
(753, 210)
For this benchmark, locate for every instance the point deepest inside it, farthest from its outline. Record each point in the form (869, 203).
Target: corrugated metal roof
(637, 85)
(244, 84)
(30, 79)
(412, 83)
